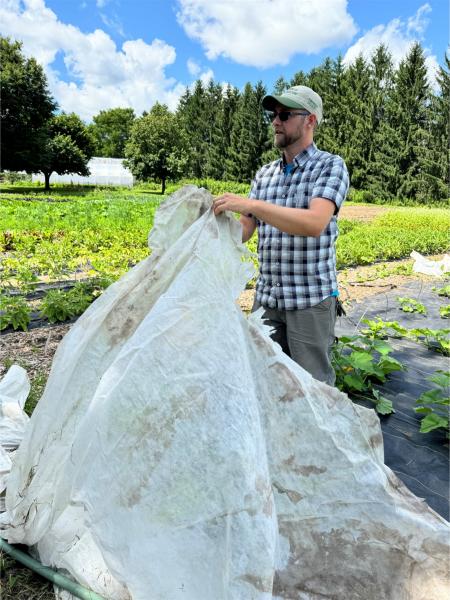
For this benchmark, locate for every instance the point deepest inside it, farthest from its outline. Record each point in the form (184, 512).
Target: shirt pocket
(301, 199)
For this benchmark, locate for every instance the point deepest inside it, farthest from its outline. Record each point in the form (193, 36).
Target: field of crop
(106, 232)
(93, 236)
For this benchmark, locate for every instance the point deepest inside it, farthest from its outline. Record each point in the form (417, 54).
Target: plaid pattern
(298, 271)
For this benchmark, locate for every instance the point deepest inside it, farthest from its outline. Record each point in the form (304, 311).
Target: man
(294, 202)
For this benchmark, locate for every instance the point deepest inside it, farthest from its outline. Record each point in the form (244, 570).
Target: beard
(281, 140)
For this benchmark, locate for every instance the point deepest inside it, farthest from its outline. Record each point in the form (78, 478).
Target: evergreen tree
(249, 135)
(411, 96)
(213, 141)
(281, 85)
(192, 110)
(220, 140)
(333, 132)
(358, 143)
(434, 159)
(299, 78)
(382, 160)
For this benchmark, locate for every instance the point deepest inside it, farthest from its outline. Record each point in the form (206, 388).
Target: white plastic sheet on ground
(14, 389)
(436, 268)
(178, 454)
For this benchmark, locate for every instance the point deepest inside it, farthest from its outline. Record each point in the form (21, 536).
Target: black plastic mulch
(420, 460)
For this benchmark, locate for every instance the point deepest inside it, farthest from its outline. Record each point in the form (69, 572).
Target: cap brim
(269, 102)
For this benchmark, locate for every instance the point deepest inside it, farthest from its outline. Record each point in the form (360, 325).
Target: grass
(20, 583)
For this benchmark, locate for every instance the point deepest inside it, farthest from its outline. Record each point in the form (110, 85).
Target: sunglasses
(284, 115)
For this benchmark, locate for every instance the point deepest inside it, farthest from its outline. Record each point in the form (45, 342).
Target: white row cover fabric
(178, 454)
(14, 390)
(436, 268)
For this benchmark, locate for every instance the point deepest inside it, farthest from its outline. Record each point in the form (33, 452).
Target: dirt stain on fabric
(262, 584)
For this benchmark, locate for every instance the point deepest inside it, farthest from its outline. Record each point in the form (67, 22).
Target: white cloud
(196, 71)
(101, 76)
(398, 36)
(264, 33)
(419, 22)
(206, 76)
(193, 67)
(113, 22)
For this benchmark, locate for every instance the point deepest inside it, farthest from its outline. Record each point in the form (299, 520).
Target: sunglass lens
(283, 115)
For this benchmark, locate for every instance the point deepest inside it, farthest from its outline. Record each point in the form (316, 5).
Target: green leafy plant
(15, 312)
(444, 311)
(380, 329)
(411, 305)
(58, 305)
(437, 340)
(443, 291)
(359, 362)
(434, 404)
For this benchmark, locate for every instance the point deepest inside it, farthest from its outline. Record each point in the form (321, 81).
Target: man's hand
(232, 202)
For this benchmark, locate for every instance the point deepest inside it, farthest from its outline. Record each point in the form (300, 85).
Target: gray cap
(298, 96)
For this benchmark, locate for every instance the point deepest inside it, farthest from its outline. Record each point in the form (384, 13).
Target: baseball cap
(298, 96)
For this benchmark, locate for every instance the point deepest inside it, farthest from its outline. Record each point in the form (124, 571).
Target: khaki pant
(306, 335)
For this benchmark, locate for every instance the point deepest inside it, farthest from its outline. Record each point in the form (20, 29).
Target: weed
(20, 583)
(37, 388)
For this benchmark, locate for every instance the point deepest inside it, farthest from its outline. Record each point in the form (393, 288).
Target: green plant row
(433, 404)
(363, 360)
(392, 235)
(359, 362)
(370, 197)
(434, 339)
(109, 234)
(56, 306)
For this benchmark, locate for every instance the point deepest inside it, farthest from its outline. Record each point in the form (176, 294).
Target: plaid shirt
(298, 271)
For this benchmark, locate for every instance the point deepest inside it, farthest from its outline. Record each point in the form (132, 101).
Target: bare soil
(361, 213)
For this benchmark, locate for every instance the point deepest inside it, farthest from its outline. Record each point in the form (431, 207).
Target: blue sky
(99, 54)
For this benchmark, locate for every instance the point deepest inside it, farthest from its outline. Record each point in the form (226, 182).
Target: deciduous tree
(158, 147)
(26, 106)
(66, 147)
(110, 130)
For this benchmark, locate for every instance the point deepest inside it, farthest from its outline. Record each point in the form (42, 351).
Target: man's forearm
(295, 221)
(248, 227)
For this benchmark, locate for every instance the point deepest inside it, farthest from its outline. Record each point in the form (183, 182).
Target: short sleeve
(253, 193)
(333, 182)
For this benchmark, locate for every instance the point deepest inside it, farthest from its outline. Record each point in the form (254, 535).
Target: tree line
(386, 121)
